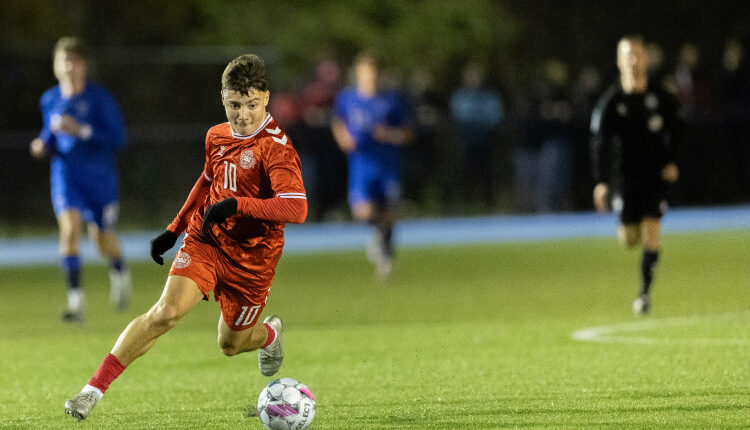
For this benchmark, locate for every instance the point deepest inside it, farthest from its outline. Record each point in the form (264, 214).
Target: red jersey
(254, 169)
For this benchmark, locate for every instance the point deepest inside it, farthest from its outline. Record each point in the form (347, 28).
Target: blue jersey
(374, 167)
(362, 114)
(83, 169)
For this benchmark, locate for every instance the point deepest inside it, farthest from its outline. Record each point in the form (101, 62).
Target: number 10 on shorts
(249, 313)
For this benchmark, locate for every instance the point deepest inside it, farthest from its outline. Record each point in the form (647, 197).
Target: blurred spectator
(703, 165)
(692, 82)
(477, 112)
(733, 92)
(426, 157)
(656, 72)
(328, 165)
(307, 117)
(585, 93)
(543, 160)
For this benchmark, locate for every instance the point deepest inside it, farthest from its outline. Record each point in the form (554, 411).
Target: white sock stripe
(91, 388)
(292, 197)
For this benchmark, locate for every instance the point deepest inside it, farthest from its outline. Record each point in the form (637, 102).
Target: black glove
(218, 212)
(161, 243)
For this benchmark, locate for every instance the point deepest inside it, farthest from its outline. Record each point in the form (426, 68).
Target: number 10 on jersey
(230, 176)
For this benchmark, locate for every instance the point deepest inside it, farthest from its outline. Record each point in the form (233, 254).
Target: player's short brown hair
(369, 57)
(243, 73)
(632, 38)
(73, 45)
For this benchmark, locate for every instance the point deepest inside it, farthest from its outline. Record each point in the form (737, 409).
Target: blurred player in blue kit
(370, 125)
(83, 128)
(636, 127)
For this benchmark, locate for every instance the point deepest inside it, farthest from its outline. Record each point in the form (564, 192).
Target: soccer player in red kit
(234, 218)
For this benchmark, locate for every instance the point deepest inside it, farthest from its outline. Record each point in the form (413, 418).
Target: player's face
(245, 112)
(69, 67)
(367, 77)
(632, 60)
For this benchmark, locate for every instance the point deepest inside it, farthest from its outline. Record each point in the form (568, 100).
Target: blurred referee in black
(635, 128)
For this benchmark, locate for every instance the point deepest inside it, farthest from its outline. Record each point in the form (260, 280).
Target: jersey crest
(182, 261)
(247, 159)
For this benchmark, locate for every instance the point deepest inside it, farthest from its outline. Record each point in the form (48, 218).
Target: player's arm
(166, 240)
(393, 135)
(341, 135)
(107, 127)
(398, 128)
(671, 173)
(600, 152)
(289, 203)
(45, 143)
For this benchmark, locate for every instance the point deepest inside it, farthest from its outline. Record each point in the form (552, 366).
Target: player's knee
(164, 316)
(629, 242)
(228, 348)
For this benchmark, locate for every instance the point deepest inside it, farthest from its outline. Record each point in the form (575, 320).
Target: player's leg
(179, 296)
(362, 205)
(233, 342)
(101, 227)
(265, 337)
(69, 221)
(650, 234)
(242, 296)
(629, 235)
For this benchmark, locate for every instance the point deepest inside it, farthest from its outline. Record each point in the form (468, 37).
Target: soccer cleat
(378, 254)
(384, 267)
(642, 304)
(81, 405)
(119, 288)
(73, 315)
(374, 248)
(271, 357)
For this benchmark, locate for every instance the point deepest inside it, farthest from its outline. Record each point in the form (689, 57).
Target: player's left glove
(218, 212)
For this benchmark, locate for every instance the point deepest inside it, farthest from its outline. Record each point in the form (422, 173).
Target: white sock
(75, 299)
(89, 388)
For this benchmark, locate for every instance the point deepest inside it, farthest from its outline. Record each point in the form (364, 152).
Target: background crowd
(500, 128)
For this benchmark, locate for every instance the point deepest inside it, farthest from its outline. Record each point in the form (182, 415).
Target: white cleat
(271, 357)
(642, 305)
(384, 268)
(119, 288)
(81, 405)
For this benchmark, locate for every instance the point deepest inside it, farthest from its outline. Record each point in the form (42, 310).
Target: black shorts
(633, 207)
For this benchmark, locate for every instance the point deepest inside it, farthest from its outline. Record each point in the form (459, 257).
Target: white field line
(612, 333)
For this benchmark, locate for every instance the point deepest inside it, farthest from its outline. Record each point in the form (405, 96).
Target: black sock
(386, 234)
(648, 265)
(71, 265)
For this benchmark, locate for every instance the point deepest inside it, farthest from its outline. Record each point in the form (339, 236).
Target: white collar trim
(262, 126)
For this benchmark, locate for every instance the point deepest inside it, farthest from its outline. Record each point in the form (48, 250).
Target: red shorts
(242, 294)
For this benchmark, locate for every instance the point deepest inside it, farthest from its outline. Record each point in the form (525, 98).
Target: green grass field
(474, 337)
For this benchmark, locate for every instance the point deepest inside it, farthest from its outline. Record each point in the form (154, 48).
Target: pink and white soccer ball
(286, 404)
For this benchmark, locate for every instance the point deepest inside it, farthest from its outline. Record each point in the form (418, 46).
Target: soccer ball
(286, 404)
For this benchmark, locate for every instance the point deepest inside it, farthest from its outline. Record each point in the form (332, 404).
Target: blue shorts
(373, 182)
(100, 209)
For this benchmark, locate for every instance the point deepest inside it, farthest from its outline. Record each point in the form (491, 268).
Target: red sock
(271, 335)
(110, 369)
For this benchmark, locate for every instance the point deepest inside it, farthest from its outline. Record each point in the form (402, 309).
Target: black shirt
(634, 137)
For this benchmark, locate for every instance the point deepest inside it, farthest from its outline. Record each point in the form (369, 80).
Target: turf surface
(462, 338)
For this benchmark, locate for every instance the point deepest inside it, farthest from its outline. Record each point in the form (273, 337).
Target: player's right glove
(217, 213)
(161, 244)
